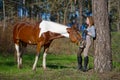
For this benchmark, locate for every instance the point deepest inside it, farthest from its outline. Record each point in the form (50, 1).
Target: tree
(4, 15)
(114, 12)
(81, 11)
(103, 56)
(118, 24)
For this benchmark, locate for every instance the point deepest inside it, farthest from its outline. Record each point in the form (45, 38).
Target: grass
(59, 67)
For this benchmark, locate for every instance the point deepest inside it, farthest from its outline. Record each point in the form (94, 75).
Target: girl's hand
(86, 32)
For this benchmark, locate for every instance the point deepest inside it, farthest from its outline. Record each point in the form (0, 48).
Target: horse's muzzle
(78, 43)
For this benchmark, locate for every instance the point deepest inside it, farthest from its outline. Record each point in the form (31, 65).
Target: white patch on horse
(36, 60)
(44, 60)
(29, 41)
(17, 48)
(18, 54)
(53, 27)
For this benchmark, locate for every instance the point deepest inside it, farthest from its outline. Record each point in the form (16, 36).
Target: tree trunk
(118, 23)
(118, 26)
(65, 12)
(4, 16)
(103, 56)
(80, 11)
(109, 6)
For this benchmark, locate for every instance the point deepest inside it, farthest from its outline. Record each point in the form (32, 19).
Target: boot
(85, 63)
(79, 59)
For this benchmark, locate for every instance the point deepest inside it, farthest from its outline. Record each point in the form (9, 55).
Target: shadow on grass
(56, 66)
(8, 63)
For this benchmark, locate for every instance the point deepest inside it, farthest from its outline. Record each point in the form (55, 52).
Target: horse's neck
(53, 27)
(37, 23)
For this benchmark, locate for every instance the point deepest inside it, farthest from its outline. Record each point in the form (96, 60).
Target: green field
(59, 66)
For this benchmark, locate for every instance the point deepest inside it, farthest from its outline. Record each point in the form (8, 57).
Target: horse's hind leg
(22, 48)
(19, 61)
(19, 46)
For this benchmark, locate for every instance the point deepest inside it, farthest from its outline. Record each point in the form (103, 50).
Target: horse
(41, 34)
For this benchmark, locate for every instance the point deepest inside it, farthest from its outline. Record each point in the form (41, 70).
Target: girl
(90, 33)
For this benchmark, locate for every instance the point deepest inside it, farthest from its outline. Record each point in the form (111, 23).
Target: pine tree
(103, 55)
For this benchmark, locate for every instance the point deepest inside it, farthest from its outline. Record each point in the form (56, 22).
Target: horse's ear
(74, 26)
(68, 30)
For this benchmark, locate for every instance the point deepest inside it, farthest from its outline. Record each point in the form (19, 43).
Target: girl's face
(87, 21)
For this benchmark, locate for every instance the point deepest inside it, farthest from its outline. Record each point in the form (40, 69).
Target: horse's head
(74, 34)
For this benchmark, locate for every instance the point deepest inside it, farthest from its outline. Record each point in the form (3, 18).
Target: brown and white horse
(41, 34)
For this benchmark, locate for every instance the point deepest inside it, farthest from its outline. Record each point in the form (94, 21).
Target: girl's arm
(92, 32)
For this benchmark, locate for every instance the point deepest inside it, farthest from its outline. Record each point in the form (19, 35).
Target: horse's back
(25, 32)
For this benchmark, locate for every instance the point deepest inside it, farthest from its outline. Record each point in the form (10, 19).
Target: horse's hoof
(44, 68)
(20, 66)
(34, 69)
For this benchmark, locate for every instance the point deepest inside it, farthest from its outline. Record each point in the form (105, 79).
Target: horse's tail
(15, 32)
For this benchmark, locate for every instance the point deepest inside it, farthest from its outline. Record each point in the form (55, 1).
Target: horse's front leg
(46, 47)
(37, 57)
(44, 59)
